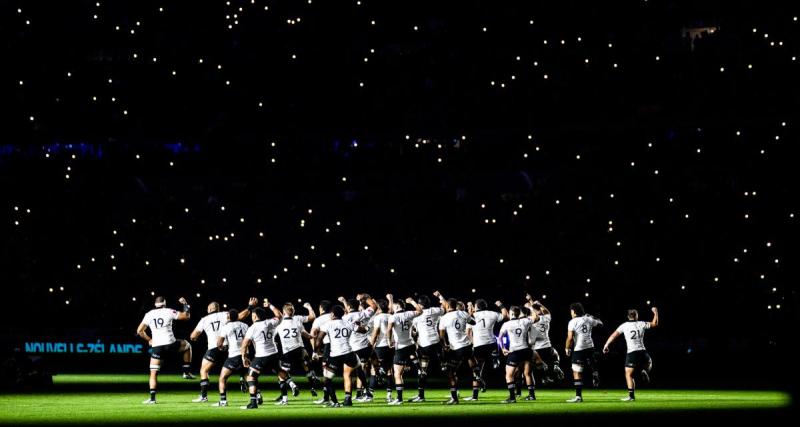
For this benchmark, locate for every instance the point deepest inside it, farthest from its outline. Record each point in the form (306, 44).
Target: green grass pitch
(117, 398)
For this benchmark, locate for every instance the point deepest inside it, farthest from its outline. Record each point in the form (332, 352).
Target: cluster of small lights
(438, 148)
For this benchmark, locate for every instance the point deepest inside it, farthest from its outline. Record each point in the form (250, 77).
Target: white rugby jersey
(319, 322)
(360, 340)
(381, 322)
(211, 325)
(543, 337)
(159, 320)
(634, 334)
(455, 324)
(483, 329)
(290, 332)
(234, 332)
(262, 334)
(401, 332)
(518, 331)
(426, 326)
(582, 331)
(339, 331)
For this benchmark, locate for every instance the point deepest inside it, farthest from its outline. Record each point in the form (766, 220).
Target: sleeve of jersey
(619, 329)
(443, 324)
(200, 325)
(571, 325)
(645, 325)
(303, 319)
(146, 319)
(174, 314)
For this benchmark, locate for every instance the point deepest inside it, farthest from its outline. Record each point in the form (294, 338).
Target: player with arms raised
(159, 321)
(482, 334)
(456, 345)
(233, 332)
(262, 335)
(399, 337)
(211, 324)
(636, 357)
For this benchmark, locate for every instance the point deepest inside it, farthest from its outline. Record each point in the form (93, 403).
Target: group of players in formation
(375, 342)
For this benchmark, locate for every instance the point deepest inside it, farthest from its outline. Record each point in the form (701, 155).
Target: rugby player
(636, 357)
(579, 333)
(159, 321)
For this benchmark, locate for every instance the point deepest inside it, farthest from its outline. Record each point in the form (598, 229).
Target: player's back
(263, 336)
(634, 334)
(543, 335)
(401, 331)
(290, 332)
(518, 332)
(234, 332)
(211, 325)
(483, 329)
(381, 322)
(454, 323)
(426, 325)
(582, 331)
(159, 320)
(339, 332)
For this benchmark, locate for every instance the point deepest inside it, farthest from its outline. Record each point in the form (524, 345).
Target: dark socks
(454, 393)
(399, 389)
(532, 390)
(152, 394)
(579, 388)
(631, 393)
(475, 392)
(204, 388)
(511, 388)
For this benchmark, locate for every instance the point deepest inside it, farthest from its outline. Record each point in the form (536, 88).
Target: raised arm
(417, 307)
(654, 322)
(274, 309)
(251, 304)
(542, 308)
(390, 298)
(503, 309)
(610, 340)
(311, 314)
(442, 299)
(184, 315)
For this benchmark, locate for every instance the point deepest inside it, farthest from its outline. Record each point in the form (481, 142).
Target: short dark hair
(633, 314)
(481, 304)
(577, 308)
(452, 303)
(514, 311)
(424, 301)
(260, 313)
(536, 306)
(160, 300)
(234, 315)
(353, 304)
(383, 305)
(324, 305)
(337, 311)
